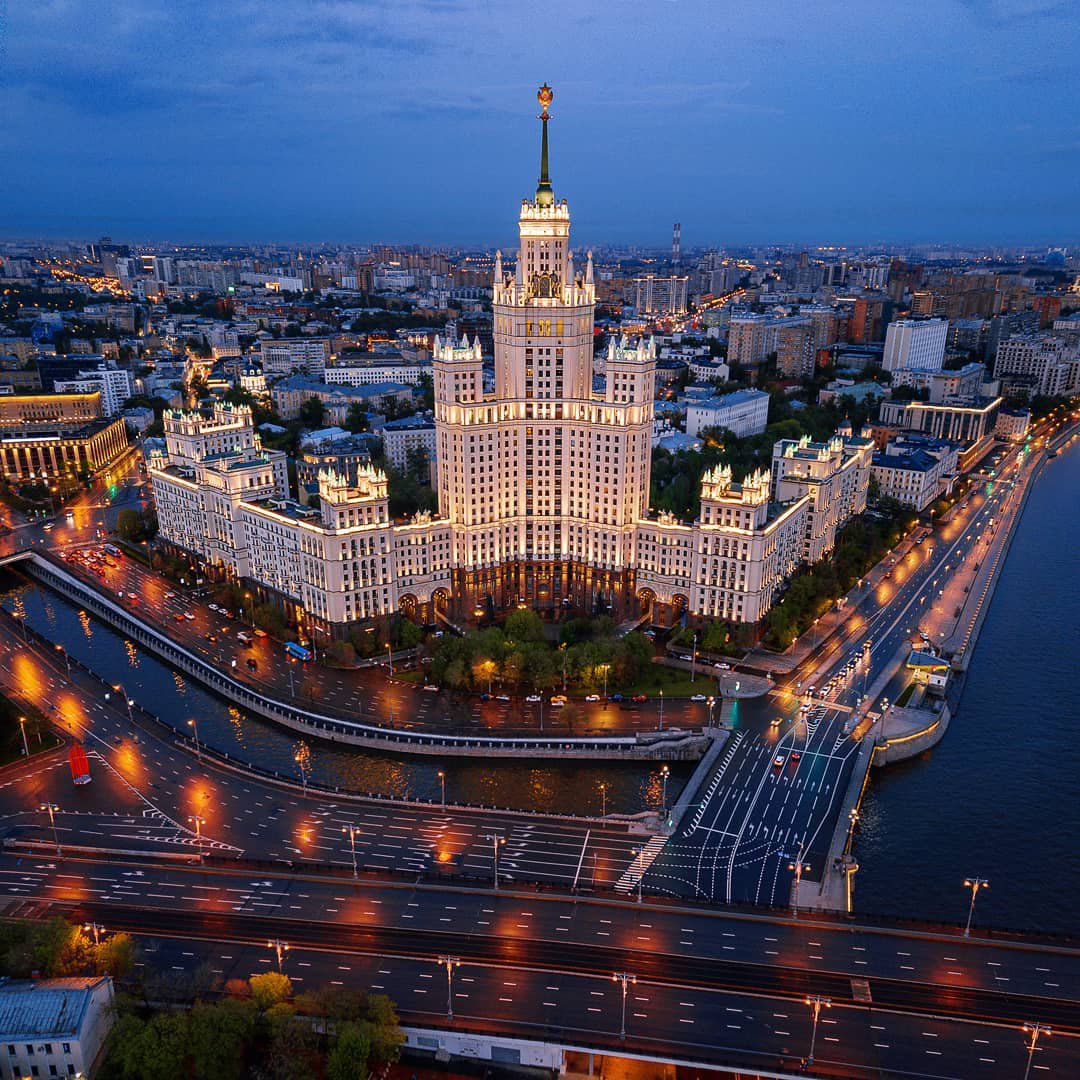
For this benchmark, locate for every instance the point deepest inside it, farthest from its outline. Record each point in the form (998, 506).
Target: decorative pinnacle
(544, 194)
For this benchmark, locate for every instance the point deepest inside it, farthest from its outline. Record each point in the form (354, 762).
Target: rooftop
(45, 1008)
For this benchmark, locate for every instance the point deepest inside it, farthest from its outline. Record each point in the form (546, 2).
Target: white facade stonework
(542, 483)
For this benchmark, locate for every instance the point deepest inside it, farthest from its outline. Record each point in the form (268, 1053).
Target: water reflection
(549, 786)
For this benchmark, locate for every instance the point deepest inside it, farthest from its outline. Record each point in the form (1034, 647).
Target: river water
(997, 798)
(544, 786)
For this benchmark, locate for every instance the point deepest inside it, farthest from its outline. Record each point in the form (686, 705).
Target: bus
(111, 549)
(299, 651)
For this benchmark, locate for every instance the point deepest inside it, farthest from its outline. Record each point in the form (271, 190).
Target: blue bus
(299, 651)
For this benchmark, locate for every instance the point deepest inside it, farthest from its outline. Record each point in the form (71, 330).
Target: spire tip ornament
(544, 194)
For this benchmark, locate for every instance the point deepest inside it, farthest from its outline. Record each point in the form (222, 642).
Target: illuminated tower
(544, 480)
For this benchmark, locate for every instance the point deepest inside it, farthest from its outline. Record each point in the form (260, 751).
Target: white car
(502, 697)
(214, 607)
(592, 697)
(722, 667)
(556, 703)
(532, 699)
(699, 697)
(433, 689)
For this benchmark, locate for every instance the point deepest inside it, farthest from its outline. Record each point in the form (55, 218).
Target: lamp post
(974, 884)
(562, 649)
(815, 1001)
(67, 659)
(627, 981)
(638, 854)
(52, 808)
(96, 929)
(665, 772)
(298, 757)
(22, 731)
(603, 800)
(799, 867)
(497, 842)
(449, 962)
(198, 822)
(442, 788)
(280, 949)
(193, 724)
(693, 660)
(1035, 1031)
(119, 688)
(352, 831)
(711, 703)
(606, 667)
(390, 659)
(661, 724)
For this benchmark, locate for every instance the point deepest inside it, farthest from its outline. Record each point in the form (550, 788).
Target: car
(640, 699)
(722, 667)
(888, 574)
(616, 697)
(189, 616)
(811, 690)
(778, 761)
(431, 688)
(211, 637)
(502, 697)
(532, 699)
(650, 634)
(227, 614)
(179, 617)
(560, 698)
(485, 697)
(260, 633)
(557, 703)
(592, 697)
(698, 697)
(776, 721)
(169, 595)
(796, 754)
(252, 663)
(687, 659)
(214, 607)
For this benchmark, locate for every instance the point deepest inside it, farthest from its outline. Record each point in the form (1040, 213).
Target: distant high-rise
(915, 345)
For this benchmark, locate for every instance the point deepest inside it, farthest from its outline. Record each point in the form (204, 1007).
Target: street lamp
(449, 962)
(711, 703)
(497, 842)
(22, 731)
(661, 724)
(298, 757)
(193, 724)
(119, 688)
(639, 856)
(627, 981)
(606, 668)
(1035, 1031)
(198, 822)
(96, 929)
(665, 772)
(67, 659)
(352, 831)
(799, 867)
(603, 800)
(442, 787)
(280, 949)
(974, 884)
(693, 660)
(390, 659)
(562, 649)
(52, 809)
(815, 1001)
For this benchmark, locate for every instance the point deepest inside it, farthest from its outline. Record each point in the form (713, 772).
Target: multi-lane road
(774, 800)
(710, 985)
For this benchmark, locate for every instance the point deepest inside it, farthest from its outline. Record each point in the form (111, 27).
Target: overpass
(670, 745)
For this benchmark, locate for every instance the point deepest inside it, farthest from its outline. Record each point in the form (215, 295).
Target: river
(997, 798)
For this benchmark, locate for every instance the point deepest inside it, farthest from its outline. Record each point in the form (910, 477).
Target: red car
(639, 698)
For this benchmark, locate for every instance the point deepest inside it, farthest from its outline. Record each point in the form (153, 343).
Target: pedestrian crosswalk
(633, 874)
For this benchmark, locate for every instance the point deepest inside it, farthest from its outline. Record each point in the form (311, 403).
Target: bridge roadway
(739, 840)
(711, 985)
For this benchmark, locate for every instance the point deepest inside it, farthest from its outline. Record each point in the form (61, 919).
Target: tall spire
(544, 195)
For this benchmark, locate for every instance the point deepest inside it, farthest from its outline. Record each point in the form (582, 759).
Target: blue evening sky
(414, 120)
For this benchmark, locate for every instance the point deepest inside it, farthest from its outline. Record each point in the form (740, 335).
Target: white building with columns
(543, 482)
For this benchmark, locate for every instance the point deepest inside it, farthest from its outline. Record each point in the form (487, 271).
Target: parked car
(616, 697)
(592, 697)
(260, 633)
(699, 697)
(431, 688)
(639, 698)
(532, 699)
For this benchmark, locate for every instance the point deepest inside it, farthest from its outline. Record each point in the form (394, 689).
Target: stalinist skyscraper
(543, 483)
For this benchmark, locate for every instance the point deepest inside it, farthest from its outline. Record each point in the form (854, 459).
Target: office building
(915, 345)
(1039, 365)
(660, 296)
(287, 356)
(743, 412)
(378, 368)
(113, 383)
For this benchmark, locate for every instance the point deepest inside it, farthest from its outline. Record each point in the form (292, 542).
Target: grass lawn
(39, 735)
(673, 681)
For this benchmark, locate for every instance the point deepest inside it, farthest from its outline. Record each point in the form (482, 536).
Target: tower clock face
(545, 286)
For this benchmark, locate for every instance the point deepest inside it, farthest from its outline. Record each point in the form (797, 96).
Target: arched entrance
(407, 605)
(646, 599)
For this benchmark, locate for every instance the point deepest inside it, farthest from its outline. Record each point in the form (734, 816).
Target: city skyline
(272, 125)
